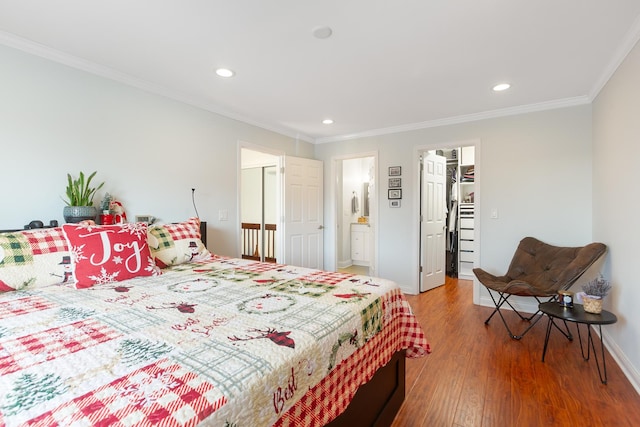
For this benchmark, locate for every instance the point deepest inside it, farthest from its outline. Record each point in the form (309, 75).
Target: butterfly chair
(538, 270)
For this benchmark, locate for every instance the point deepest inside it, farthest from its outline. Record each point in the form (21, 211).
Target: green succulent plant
(79, 190)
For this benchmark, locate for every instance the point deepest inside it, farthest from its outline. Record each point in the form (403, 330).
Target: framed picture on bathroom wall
(394, 194)
(395, 170)
(395, 182)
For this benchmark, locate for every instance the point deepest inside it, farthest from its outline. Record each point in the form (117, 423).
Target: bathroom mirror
(365, 199)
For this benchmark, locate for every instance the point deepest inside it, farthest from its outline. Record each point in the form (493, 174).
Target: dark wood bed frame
(375, 404)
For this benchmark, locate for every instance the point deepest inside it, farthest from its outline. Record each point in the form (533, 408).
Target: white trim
(43, 51)
(37, 49)
(345, 264)
(522, 304)
(622, 360)
(633, 35)
(512, 111)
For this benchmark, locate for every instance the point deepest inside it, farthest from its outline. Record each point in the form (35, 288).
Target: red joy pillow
(109, 253)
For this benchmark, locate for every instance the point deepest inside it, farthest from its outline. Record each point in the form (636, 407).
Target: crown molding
(633, 35)
(542, 106)
(37, 49)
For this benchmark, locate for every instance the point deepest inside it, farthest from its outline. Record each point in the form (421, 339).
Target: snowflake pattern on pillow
(109, 253)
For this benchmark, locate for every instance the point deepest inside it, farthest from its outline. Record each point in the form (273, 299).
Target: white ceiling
(389, 66)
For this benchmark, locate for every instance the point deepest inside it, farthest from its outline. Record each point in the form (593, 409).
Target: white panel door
(434, 199)
(303, 215)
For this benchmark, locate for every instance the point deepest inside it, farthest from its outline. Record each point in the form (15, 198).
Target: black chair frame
(504, 298)
(537, 270)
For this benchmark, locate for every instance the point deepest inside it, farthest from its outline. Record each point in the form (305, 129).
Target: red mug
(106, 219)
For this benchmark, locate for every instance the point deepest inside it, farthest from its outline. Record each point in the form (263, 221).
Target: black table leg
(602, 373)
(546, 338)
(587, 357)
(578, 316)
(595, 356)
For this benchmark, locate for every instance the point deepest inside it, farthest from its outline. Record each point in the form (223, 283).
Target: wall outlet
(145, 218)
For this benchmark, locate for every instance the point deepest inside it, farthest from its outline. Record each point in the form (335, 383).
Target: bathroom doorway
(356, 214)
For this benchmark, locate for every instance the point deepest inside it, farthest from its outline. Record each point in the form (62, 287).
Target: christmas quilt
(227, 342)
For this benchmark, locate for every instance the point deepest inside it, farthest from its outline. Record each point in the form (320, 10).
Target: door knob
(321, 227)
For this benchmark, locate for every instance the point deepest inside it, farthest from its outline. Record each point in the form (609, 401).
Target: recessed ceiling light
(501, 87)
(225, 72)
(322, 32)
(327, 121)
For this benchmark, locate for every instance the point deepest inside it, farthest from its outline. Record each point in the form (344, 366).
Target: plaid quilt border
(20, 306)
(339, 387)
(53, 343)
(326, 277)
(160, 392)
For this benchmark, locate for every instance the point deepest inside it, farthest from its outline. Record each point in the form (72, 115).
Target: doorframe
(418, 150)
(335, 215)
(279, 191)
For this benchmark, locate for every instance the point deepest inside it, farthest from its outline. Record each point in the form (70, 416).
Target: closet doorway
(259, 202)
(356, 214)
(448, 212)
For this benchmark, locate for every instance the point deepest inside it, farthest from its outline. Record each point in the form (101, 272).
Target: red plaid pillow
(109, 253)
(174, 244)
(33, 258)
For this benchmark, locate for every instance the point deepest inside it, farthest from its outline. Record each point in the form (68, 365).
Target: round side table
(577, 315)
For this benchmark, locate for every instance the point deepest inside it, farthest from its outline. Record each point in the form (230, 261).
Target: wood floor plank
(478, 376)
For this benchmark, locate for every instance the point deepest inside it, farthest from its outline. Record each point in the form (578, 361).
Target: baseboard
(523, 304)
(361, 263)
(344, 264)
(622, 360)
(616, 352)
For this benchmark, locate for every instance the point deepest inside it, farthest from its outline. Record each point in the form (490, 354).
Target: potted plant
(594, 292)
(80, 198)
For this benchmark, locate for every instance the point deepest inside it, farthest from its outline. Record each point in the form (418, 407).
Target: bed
(204, 340)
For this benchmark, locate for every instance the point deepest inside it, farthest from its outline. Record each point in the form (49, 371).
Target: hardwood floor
(477, 376)
(355, 269)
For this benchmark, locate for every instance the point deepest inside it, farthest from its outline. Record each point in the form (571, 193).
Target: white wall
(149, 150)
(534, 168)
(616, 150)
